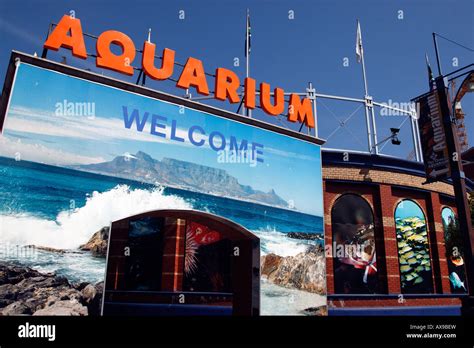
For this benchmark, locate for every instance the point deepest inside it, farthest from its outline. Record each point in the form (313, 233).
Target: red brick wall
(383, 194)
(174, 234)
(436, 208)
(388, 203)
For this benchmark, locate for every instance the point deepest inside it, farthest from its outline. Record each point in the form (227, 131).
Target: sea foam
(272, 241)
(74, 227)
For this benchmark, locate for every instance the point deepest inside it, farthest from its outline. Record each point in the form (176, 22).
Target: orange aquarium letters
(68, 34)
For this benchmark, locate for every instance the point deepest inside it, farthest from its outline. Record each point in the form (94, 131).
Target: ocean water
(61, 208)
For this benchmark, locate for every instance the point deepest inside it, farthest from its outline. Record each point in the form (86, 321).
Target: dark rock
(80, 286)
(8, 291)
(269, 264)
(16, 308)
(318, 311)
(49, 249)
(89, 293)
(64, 308)
(304, 235)
(45, 294)
(304, 271)
(97, 244)
(95, 304)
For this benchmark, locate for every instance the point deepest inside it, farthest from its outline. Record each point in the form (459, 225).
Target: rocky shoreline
(304, 271)
(98, 243)
(24, 291)
(306, 236)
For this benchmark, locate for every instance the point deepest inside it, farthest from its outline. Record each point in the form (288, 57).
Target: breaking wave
(72, 228)
(272, 241)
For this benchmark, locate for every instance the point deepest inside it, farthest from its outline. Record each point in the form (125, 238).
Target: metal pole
(311, 93)
(415, 140)
(315, 117)
(418, 140)
(247, 63)
(369, 132)
(45, 50)
(376, 146)
(420, 148)
(437, 53)
(328, 96)
(459, 183)
(367, 117)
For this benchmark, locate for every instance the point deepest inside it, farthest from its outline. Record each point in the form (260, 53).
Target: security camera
(395, 140)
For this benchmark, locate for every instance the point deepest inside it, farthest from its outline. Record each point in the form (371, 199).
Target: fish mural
(456, 281)
(413, 249)
(355, 268)
(454, 251)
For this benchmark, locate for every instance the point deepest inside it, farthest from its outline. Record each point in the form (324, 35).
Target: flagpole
(247, 63)
(369, 110)
(360, 53)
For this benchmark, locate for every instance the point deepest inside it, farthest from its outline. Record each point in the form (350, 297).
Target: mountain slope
(182, 174)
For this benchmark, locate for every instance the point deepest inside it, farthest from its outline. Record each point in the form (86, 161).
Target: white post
(311, 94)
(415, 140)
(376, 146)
(420, 148)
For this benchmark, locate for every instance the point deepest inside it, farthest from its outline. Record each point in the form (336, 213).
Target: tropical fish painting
(454, 251)
(413, 249)
(456, 281)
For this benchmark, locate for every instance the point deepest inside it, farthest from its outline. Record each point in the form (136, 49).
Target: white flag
(359, 49)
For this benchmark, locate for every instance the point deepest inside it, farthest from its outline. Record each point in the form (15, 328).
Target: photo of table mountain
(184, 175)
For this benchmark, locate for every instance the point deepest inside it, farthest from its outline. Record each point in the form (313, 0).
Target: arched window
(454, 251)
(413, 248)
(355, 266)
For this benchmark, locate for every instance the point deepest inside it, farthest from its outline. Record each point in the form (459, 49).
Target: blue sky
(407, 208)
(34, 129)
(286, 53)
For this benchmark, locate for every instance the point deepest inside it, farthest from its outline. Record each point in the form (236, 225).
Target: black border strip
(130, 87)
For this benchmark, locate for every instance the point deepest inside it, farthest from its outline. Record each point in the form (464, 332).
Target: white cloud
(44, 122)
(105, 129)
(290, 154)
(42, 154)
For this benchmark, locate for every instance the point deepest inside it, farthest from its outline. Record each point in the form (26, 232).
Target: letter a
(60, 38)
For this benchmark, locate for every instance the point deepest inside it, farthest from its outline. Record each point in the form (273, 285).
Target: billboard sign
(80, 150)
(433, 137)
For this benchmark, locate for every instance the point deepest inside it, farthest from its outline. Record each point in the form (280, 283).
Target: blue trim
(393, 311)
(153, 309)
(391, 296)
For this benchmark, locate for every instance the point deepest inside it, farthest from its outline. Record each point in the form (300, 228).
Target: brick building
(385, 183)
